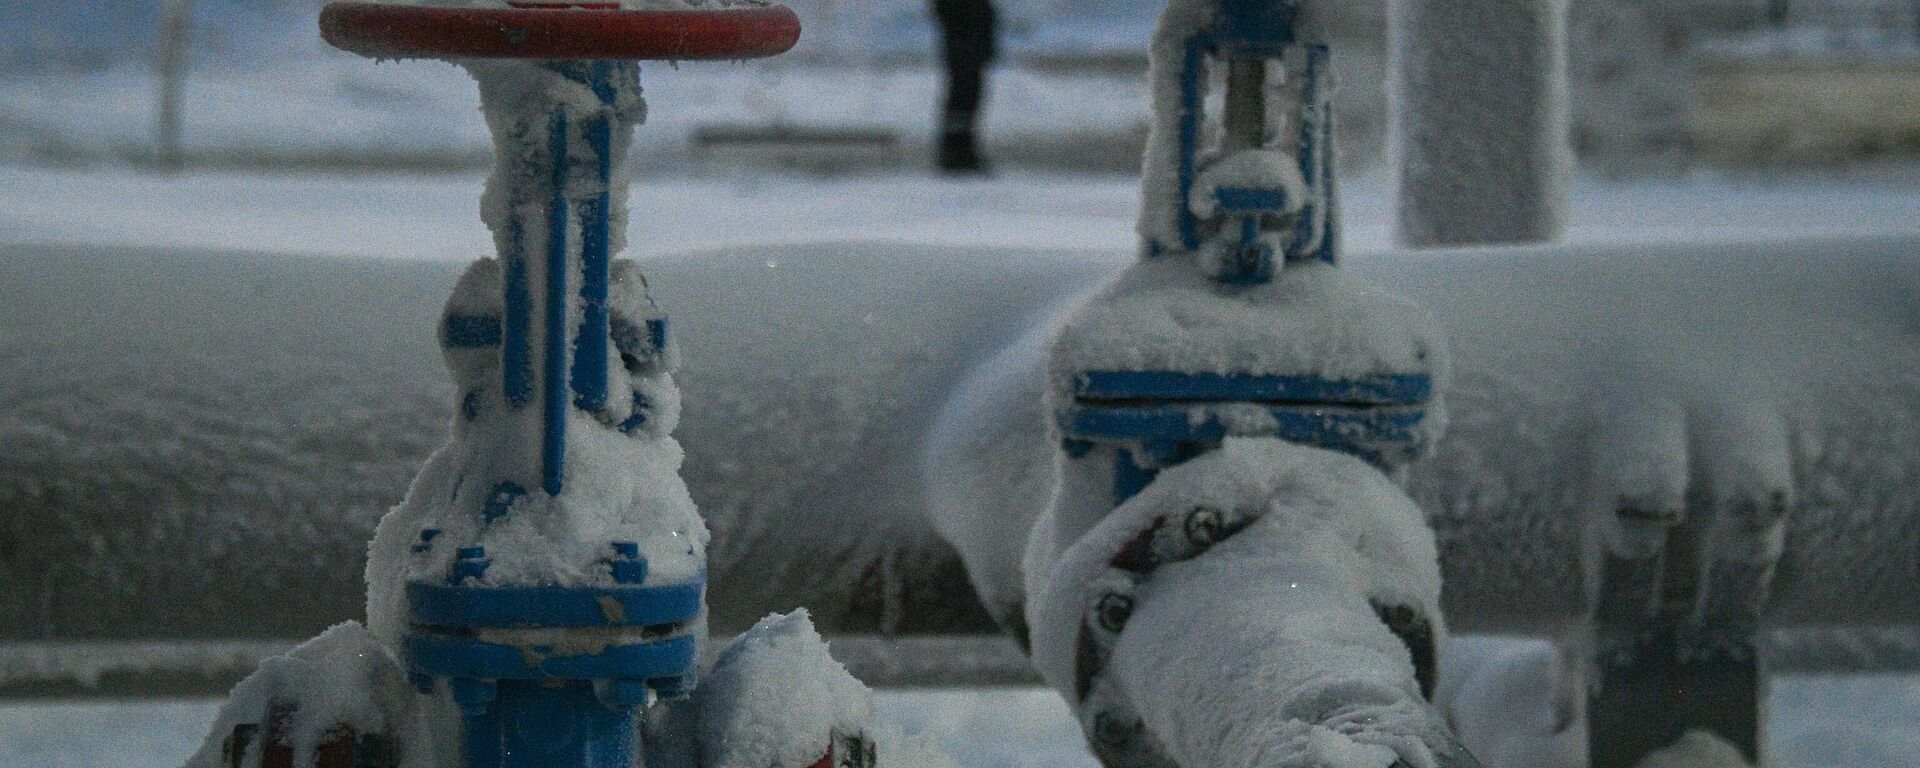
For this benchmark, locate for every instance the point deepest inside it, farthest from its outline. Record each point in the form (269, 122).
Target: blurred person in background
(967, 32)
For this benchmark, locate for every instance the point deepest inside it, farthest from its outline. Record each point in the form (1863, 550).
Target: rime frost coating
(1247, 654)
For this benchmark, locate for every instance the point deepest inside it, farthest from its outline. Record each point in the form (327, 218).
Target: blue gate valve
(1236, 323)
(559, 590)
(1255, 42)
(1250, 197)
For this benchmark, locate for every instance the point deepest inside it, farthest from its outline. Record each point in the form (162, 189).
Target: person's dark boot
(958, 154)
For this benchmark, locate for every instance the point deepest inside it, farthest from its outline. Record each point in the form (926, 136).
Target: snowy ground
(1823, 721)
(1829, 722)
(983, 728)
(437, 216)
(324, 108)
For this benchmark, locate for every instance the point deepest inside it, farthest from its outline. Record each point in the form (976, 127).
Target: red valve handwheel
(578, 30)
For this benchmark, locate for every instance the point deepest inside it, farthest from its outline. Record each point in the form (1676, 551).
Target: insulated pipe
(1478, 97)
(157, 517)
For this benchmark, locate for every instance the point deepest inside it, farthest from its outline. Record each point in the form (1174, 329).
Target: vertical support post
(1478, 92)
(1313, 238)
(175, 29)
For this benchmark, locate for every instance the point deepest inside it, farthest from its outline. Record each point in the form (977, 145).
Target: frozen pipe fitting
(575, 594)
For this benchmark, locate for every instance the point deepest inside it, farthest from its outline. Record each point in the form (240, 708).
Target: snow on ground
(437, 216)
(980, 728)
(323, 108)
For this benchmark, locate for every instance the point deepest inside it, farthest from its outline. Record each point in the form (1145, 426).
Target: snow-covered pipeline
(205, 440)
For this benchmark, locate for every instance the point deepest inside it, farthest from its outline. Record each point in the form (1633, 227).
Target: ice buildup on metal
(1252, 196)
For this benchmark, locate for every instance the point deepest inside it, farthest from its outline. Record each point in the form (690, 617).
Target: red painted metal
(585, 31)
(276, 750)
(337, 747)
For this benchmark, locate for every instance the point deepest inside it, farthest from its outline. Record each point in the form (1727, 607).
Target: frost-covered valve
(554, 583)
(1252, 185)
(1236, 323)
(1211, 404)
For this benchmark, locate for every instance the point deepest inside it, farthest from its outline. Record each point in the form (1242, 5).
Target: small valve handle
(548, 29)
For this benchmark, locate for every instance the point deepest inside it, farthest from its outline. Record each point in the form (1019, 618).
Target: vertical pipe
(1479, 101)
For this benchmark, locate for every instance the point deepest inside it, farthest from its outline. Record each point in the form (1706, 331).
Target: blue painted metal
(590, 341)
(1129, 477)
(1193, 96)
(1153, 419)
(480, 731)
(639, 417)
(453, 657)
(1250, 201)
(1378, 389)
(473, 695)
(470, 332)
(1168, 417)
(1370, 432)
(531, 725)
(1134, 468)
(443, 605)
(528, 703)
(1262, 31)
(634, 341)
(627, 566)
(1316, 217)
(516, 352)
(1255, 27)
(469, 563)
(657, 335)
(553, 446)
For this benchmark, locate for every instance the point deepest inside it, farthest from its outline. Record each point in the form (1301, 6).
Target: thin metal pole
(175, 28)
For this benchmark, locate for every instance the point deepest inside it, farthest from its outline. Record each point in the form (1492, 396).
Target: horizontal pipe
(172, 476)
